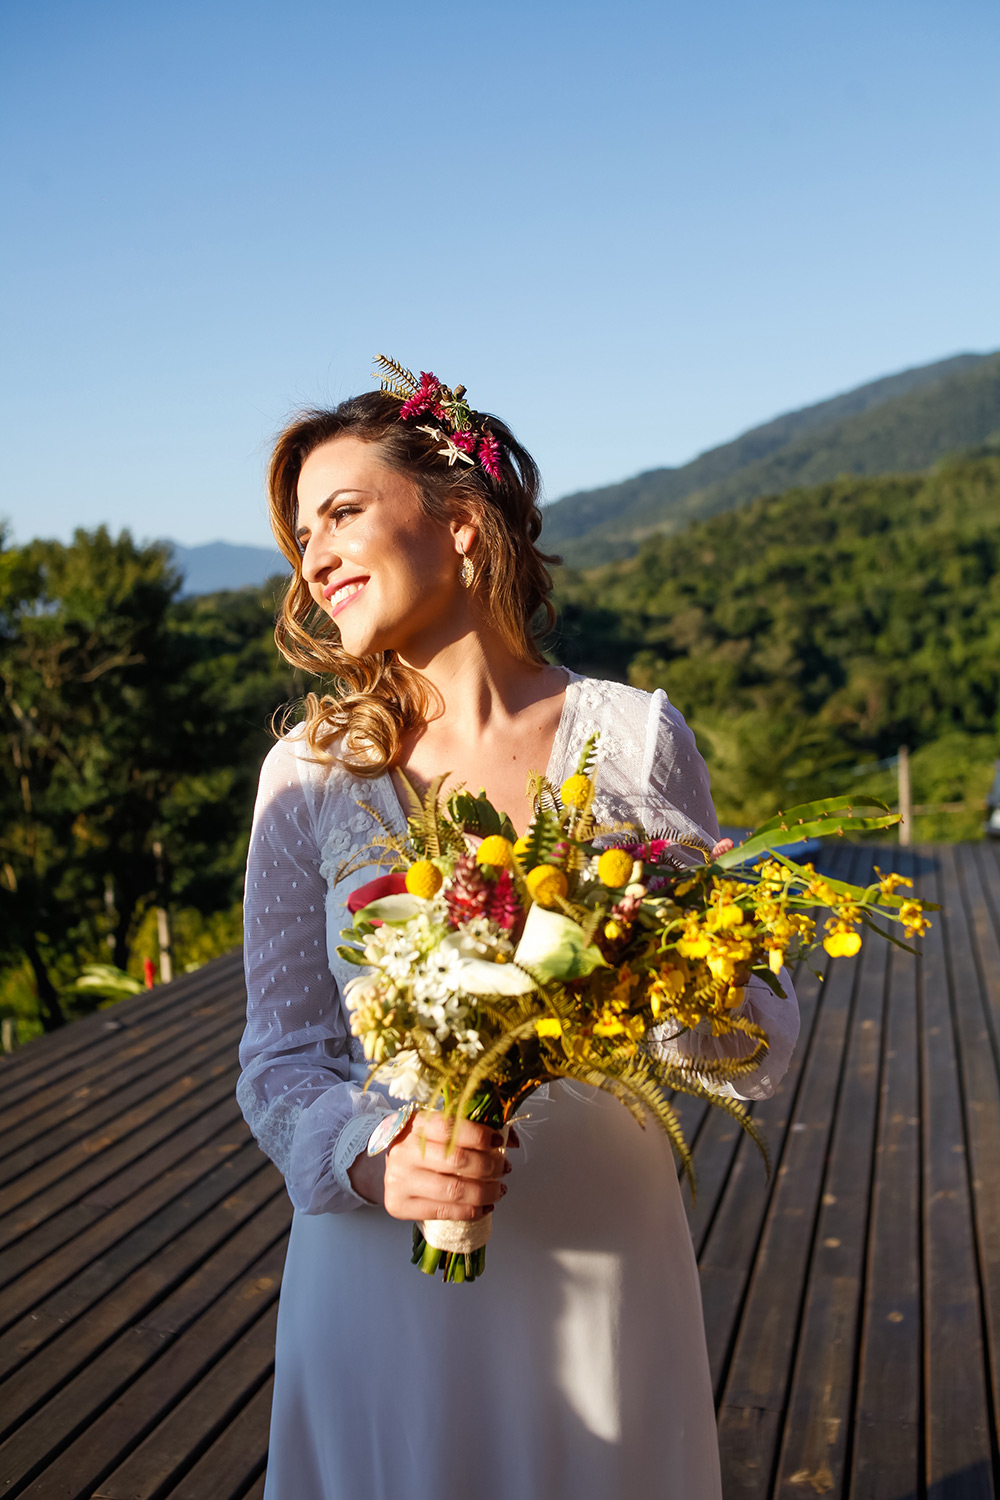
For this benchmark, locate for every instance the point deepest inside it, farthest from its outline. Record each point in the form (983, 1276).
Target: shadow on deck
(852, 1303)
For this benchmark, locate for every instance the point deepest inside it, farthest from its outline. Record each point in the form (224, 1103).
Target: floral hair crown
(464, 436)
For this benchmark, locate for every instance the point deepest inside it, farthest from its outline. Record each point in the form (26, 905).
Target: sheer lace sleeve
(295, 1090)
(675, 776)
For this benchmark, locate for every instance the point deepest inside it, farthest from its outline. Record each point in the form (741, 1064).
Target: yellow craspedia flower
(424, 879)
(549, 1026)
(495, 851)
(521, 848)
(614, 868)
(546, 884)
(574, 791)
(842, 944)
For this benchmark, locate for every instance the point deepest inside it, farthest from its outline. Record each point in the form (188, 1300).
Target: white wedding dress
(575, 1368)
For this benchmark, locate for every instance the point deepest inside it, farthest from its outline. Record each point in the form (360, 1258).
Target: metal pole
(163, 933)
(905, 796)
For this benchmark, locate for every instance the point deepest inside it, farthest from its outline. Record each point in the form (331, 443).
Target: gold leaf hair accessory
(463, 434)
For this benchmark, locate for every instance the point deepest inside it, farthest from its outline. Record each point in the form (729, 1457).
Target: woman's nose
(318, 559)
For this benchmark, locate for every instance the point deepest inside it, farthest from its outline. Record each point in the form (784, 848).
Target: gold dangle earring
(468, 571)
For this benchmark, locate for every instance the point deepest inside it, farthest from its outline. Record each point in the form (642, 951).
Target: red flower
(465, 440)
(489, 455)
(374, 890)
(503, 906)
(426, 399)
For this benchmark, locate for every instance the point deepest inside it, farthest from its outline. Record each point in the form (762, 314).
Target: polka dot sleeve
(296, 1090)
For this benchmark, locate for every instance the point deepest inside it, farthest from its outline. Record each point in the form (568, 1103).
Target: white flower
(405, 1076)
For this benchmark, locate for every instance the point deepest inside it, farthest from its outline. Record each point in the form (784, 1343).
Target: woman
(577, 1365)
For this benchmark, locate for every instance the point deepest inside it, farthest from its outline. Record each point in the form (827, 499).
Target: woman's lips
(339, 597)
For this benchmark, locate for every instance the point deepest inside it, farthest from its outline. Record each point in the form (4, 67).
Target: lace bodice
(301, 1086)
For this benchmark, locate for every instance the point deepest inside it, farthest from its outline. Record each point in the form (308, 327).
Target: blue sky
(632, 231)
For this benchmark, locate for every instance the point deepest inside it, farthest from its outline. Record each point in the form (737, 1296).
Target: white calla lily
(552, 947)
(392, 909)
(478, 976)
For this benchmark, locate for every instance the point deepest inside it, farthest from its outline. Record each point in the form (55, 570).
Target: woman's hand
(419, 1181)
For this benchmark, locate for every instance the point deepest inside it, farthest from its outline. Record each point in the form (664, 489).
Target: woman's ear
(464, 534)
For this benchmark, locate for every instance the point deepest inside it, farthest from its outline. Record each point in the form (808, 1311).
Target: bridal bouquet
(494, 964)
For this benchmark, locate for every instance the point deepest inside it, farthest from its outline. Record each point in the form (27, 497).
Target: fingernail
(513, 1139)
(506, 1167)
(503, 1188)
(497, 1139)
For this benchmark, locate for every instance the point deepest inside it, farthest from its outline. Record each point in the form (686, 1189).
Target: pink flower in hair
(465, 440)
(423, 400)
(489, 455)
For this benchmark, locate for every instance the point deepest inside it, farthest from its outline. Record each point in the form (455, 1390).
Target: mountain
(225, 565)
(807, 635)
(904, 422)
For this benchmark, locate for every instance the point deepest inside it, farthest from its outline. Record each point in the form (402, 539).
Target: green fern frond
(588, 755)
(491, 1057)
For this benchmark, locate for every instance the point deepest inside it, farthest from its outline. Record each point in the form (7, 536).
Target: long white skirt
(574, 1369)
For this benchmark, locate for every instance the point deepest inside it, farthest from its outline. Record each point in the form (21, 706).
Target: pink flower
(489, 455)
(465, 440)
(423, 400)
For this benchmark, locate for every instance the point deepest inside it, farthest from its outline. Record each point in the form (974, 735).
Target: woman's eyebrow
(324, 506)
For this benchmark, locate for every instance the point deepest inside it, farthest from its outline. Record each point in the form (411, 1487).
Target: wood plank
(980, 1085)
(98, 1277)
(886, 1461)
(104, 1090)
(44, 1223)
(236, 1458)
(88, 1427)
(817, 1422)
(99, 1230)
(957, 1431)
(65, 1051)
(191, 1426)
(90, 1157)
(727, 1252)
(59, 1338)
(765, 1341)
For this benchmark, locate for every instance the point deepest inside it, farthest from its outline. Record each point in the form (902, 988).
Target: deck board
(852, 1300)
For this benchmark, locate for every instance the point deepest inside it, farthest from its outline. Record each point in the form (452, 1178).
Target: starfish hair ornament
(462, 433)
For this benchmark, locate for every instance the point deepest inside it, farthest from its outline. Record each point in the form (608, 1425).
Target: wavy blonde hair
(377, 699)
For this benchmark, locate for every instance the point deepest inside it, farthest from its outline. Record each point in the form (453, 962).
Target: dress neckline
(392, 806)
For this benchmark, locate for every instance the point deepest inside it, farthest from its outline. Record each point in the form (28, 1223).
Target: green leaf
(828, 826)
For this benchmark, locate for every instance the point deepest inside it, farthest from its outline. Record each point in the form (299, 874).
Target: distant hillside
(815, 630)
(904, 422)
(225, 565)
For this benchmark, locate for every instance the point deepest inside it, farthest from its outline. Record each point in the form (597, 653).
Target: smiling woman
(577, 1368)
(362, 500)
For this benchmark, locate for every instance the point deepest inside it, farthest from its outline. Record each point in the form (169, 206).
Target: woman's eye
(342, 511)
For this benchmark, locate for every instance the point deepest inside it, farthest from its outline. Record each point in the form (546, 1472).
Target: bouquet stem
(489, 1108)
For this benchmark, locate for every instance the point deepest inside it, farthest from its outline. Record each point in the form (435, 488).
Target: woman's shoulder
(293, 759)
(620, 703)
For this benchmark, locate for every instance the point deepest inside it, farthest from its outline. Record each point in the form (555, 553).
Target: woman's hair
(377, 699)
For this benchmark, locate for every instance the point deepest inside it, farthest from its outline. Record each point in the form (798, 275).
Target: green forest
(808, 635)
(805, 636)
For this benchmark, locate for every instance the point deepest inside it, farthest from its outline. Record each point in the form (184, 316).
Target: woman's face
(373, 560)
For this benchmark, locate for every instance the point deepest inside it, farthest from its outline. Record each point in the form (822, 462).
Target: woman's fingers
(439, 1128)
(424, 1179)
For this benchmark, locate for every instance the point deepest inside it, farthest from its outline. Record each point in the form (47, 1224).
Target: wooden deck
(852, 1303)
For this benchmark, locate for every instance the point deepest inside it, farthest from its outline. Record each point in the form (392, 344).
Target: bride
(576, 1367)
